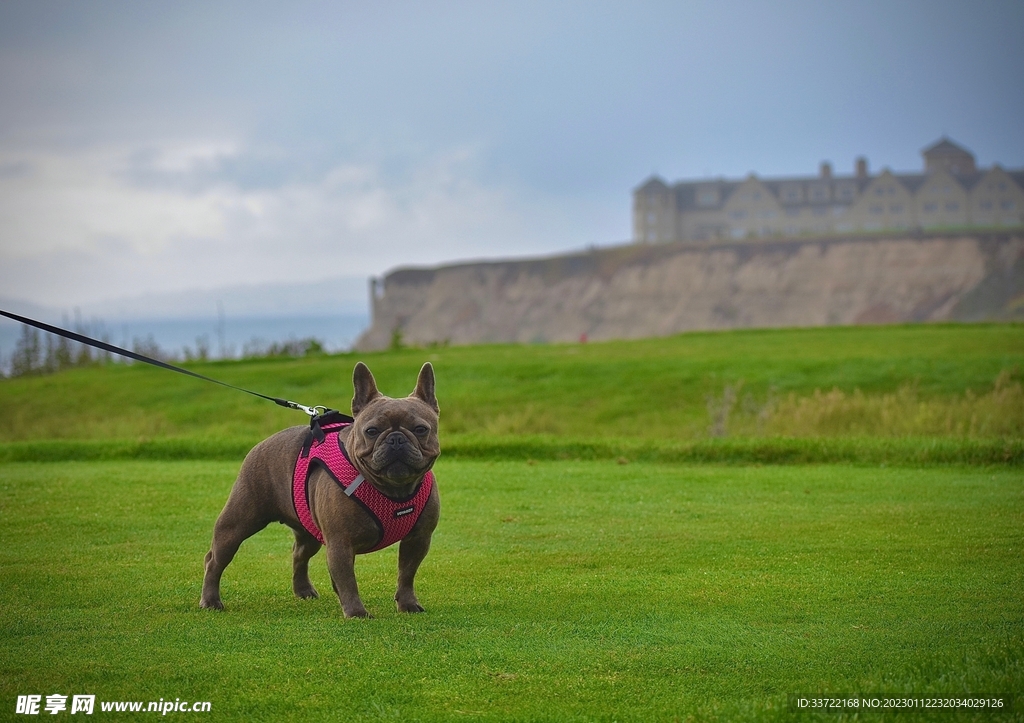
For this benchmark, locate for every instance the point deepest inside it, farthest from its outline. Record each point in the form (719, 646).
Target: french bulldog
(392, 443)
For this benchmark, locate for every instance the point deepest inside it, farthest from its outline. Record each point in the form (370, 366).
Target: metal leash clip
(311, 411)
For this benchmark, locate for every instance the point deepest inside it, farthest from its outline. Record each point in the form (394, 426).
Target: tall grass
(998, 412)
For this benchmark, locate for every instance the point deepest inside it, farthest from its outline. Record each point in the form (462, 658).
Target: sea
(223, 338)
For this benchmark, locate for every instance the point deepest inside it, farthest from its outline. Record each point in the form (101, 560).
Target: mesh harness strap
(394, 518)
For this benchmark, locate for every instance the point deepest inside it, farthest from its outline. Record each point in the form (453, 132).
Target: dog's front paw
(307, 593)
(359, 612)
(215, 604)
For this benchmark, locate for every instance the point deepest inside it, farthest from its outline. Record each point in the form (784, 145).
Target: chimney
(862, 167)
(826, 169)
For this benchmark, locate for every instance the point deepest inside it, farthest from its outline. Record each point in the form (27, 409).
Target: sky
(149, 148)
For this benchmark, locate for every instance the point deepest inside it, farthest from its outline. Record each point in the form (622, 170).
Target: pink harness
(394, 518)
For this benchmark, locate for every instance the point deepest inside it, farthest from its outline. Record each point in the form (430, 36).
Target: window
(1007, 205)
(708, 232)
(952, 206)
(877, 209)
(985, 205)
(707, 198)
(896, 208)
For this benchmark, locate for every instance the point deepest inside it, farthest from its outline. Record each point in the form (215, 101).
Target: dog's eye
(371, 431)
(421, 430)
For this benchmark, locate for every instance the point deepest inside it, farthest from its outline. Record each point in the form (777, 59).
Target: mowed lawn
(563, 590)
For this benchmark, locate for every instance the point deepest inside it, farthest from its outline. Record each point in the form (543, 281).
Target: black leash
(82, 339)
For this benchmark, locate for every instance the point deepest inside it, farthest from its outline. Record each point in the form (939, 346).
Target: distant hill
(331, 297)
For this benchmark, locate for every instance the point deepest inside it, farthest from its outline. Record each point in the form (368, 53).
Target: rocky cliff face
(652, 290)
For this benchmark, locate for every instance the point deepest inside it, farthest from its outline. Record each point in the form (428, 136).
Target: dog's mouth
(399, 470)
(399, 467)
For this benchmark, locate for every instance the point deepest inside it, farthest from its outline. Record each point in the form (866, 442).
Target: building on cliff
(951, 193)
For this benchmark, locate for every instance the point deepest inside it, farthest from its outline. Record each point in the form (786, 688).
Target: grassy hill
(938, 382)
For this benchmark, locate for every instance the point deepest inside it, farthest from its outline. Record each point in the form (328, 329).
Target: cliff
(641, 290)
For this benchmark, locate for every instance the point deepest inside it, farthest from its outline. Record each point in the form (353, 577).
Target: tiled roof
(652, 184)
(686, 191)
(944, 146)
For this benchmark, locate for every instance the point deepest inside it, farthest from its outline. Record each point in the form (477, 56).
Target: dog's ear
(425, 387)
(365, 388)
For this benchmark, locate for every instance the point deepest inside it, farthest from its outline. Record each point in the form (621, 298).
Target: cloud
(77, 202)
(80, 225)
(164, 147)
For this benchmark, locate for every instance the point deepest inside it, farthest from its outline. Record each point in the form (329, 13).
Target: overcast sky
(154, 147)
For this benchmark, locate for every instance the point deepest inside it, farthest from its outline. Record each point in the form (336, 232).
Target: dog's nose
(395, 440)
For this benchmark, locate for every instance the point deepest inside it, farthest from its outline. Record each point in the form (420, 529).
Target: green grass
(702, 527)
(583, 590)
(648, 390)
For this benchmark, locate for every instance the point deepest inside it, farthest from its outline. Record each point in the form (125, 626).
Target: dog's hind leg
(233, 527)
(305, 547)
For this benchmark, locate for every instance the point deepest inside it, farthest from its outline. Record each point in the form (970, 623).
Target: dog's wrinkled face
(393, 441)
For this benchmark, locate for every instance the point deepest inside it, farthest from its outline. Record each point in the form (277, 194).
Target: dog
(391, 445)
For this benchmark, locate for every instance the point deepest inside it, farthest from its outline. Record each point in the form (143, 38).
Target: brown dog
(392, 443)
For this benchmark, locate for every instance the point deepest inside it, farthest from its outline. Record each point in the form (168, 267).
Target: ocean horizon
(224, 338)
